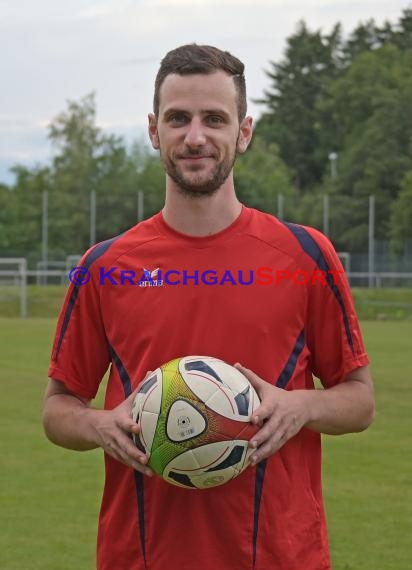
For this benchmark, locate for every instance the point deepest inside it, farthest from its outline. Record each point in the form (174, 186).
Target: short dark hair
(192, 59)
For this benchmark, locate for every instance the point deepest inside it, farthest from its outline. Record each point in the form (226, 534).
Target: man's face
(198, 132)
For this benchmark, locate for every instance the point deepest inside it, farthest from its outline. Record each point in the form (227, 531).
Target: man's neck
(202, 216)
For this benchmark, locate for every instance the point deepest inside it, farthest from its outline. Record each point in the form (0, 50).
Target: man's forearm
(68, 422)
(345, 408)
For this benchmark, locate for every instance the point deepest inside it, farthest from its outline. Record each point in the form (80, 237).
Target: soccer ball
(194, 416)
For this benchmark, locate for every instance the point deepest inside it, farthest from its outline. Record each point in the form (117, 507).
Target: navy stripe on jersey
(66, 319)
(260, 476)
(138, 477)
(290, 366)
(139, 481)
(124, 376)
(93, 255)
(310, 246)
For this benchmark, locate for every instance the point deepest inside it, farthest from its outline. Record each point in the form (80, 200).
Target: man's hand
(114, 430)
(70, 422)
(346, 407)
(281, 414)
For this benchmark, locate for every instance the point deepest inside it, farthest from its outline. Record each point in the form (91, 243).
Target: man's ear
(245, 134)
(153, 134)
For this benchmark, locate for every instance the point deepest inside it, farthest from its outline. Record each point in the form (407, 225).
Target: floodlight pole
(326, 214)
(333, 157)
(280, 206)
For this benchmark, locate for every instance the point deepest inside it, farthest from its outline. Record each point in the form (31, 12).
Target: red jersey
(262, 292)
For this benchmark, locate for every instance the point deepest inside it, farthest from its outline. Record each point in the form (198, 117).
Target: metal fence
(58, 230)
(371, 264)
(20, 278)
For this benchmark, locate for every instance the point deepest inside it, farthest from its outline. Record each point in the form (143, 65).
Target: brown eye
(178, 119)
(215, 119)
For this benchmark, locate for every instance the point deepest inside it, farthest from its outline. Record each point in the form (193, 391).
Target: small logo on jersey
(79, 276)
(151, 278)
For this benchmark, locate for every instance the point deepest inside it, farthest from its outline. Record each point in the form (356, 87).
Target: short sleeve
(81, 354)
(333, 335)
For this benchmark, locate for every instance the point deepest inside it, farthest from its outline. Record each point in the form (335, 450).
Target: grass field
(371, 304)
(49, 497)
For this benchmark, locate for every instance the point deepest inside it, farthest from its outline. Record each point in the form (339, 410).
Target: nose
(195, 135)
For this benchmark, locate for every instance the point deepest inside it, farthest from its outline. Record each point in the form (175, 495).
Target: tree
(151, 180)
(364, 38)
(77, 143)
(298, 82)
(372, 104)
(260, 175)
(89, 160)
(7, 218)
(401, 216)
(401, 35)
(21, 211)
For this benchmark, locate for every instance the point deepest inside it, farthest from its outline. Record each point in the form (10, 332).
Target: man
(282, 330)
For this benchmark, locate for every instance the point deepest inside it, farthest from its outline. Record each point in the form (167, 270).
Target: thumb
(257, 382)
(146, 376)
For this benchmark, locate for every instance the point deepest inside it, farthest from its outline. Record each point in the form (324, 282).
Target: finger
(264, 389)
(136, 465)
(139, 465)
(273, 430)
(134, 453)
(263, 412)
(130, 428)
(128, 454)
(123, 444)
(270, 445)
(142, 469)
(128, 425)
(263, 452)
(137, 461)
(261, 436)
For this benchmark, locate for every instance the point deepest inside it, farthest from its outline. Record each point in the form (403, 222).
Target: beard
(197, 185)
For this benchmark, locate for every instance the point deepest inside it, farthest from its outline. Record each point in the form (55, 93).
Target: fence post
(140, 206)
(23, 293)
(371, 254)
(92, 217)
(45, 231)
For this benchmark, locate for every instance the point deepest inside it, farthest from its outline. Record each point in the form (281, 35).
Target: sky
(53, 51)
